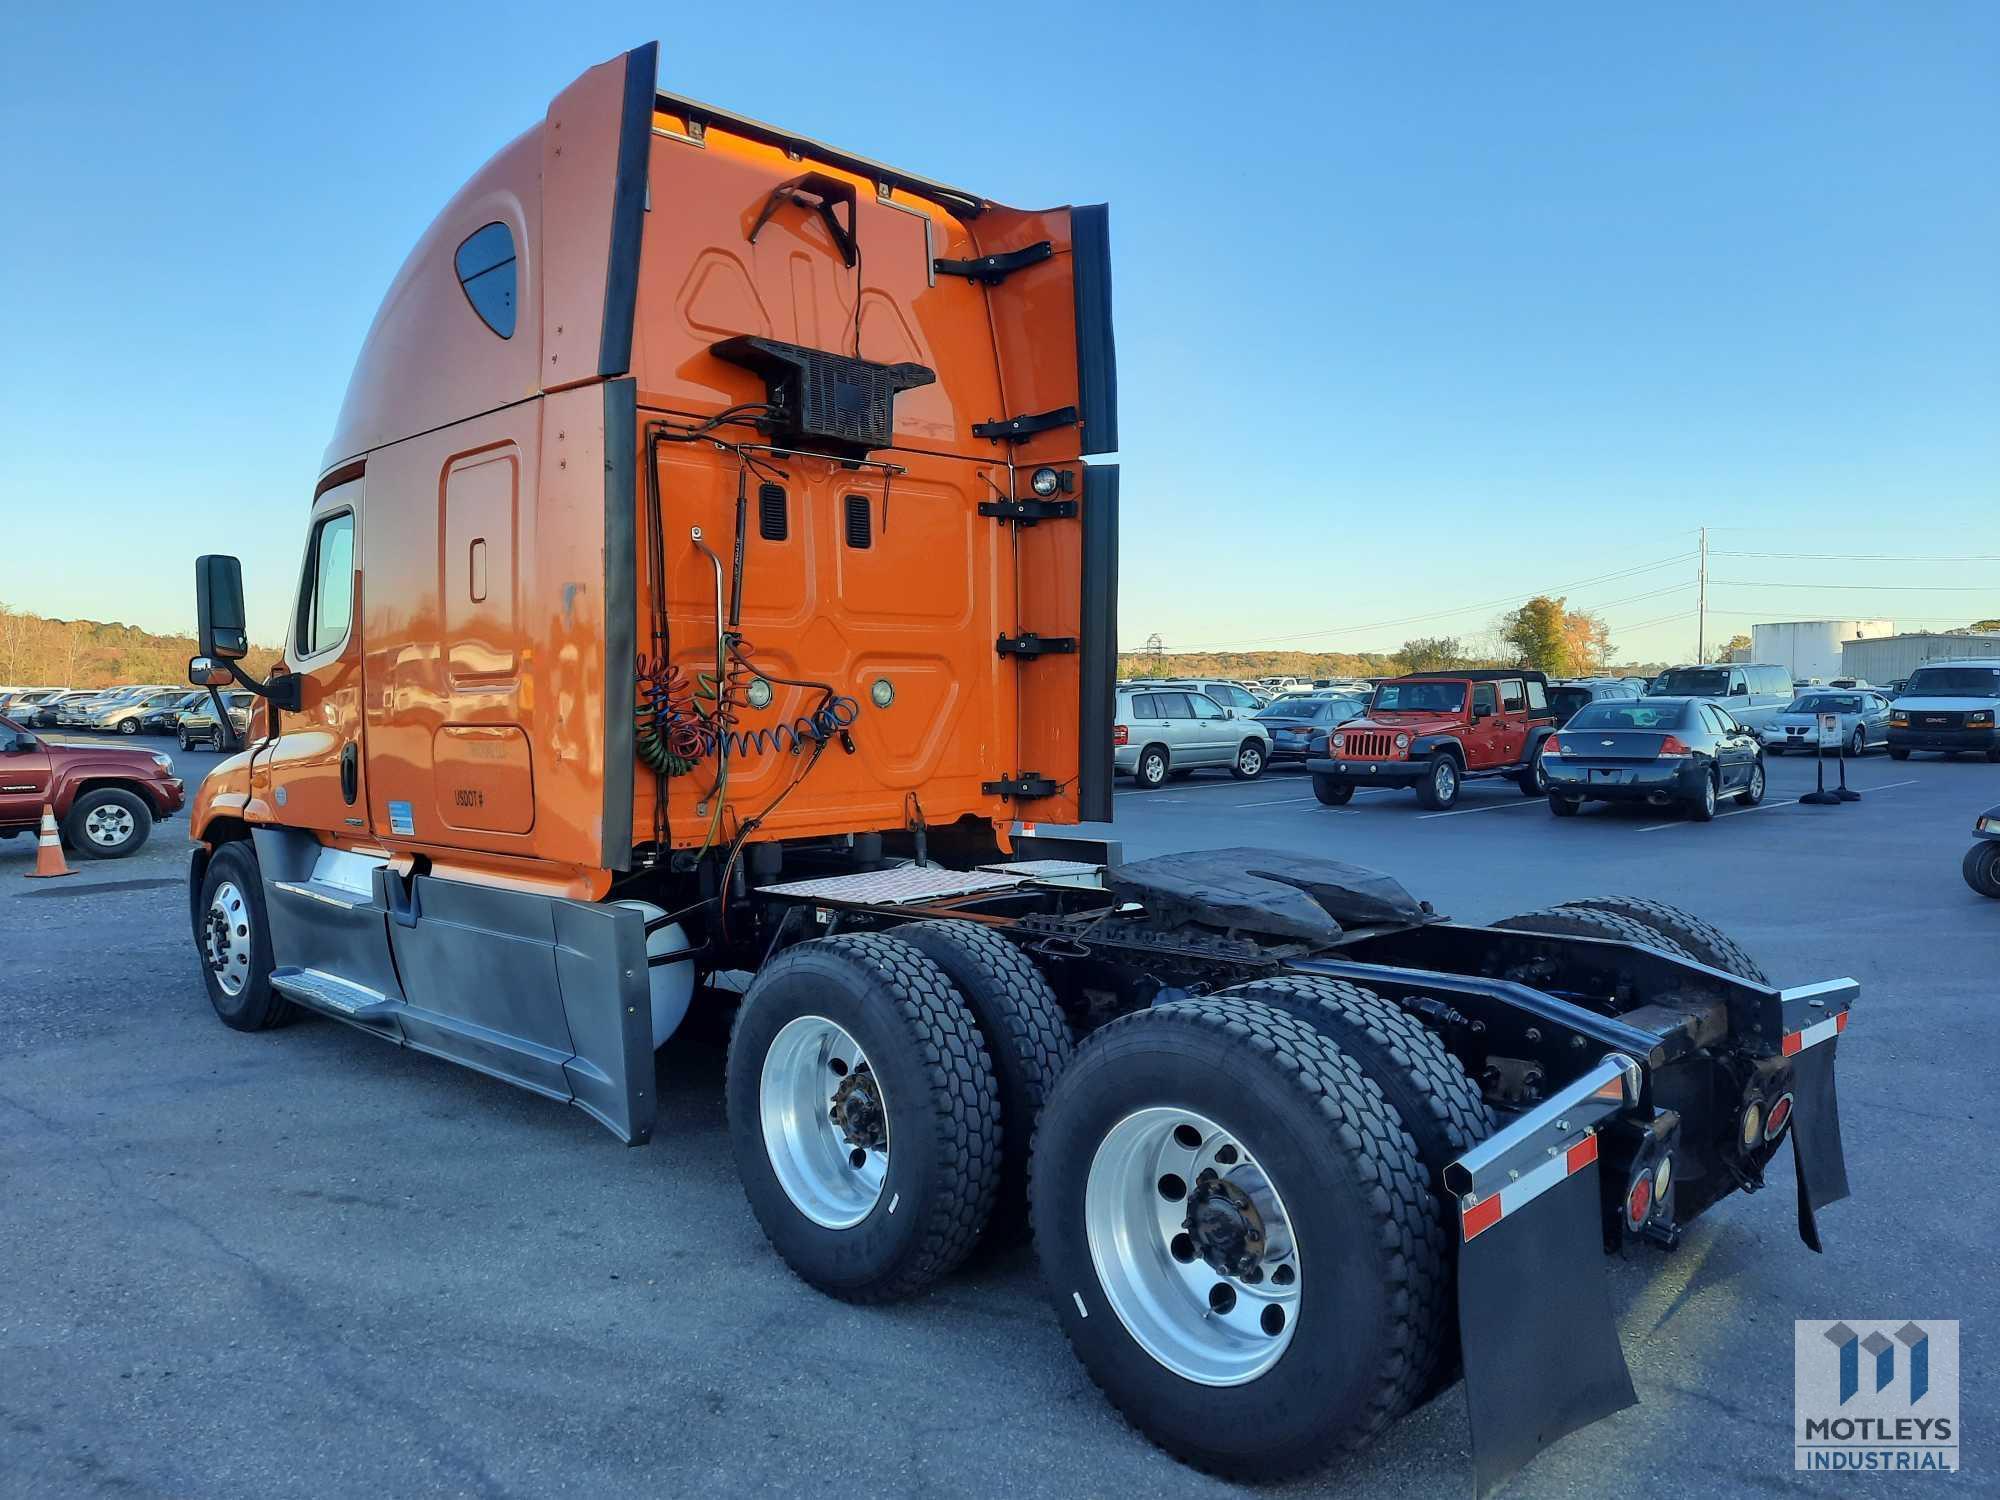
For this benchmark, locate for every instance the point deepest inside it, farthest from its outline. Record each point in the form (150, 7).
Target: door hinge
(1019, 429)
(1025, 786)
(994, 269)
(1027, 512)
(1027, 643)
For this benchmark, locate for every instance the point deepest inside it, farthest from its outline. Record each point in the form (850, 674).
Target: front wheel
(1249, 761)
(1982, 868)
(1211, 1178)
(863, 1116)
(186, 743)
(1439, 788)
(235, 943)
(1898, 752)
(107, 824)
(1857, 744)
(1151, 772)
(1753, 789)
(1332, 792)
(129, 726)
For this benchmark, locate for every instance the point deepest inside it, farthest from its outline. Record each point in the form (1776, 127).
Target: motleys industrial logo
(1875, 1396)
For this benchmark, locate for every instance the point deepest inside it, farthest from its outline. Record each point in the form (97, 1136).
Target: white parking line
(1278, 802)
(1459, 812)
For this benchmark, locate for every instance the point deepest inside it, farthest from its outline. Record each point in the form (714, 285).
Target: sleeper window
(486, 270)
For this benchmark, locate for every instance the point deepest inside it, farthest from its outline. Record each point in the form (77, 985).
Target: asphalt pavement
(306, 1263)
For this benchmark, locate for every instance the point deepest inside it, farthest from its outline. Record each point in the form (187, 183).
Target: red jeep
(106, 797)
(1435, 730)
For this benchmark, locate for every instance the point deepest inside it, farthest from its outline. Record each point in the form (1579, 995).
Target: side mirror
(205, 671)
(220, 627)
(1739, 691)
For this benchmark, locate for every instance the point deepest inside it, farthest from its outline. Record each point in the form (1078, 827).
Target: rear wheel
(1439, 787)
(1702, 941)
(234, 940)
(1437, 1100)
(1565, 807)
(1591, 922)
(108, 823)
(1331, 792)
(1753, 789)
(1213, 1177)
(1028, 1042)
(1701, 807)
(1151, 771)
(1534, 782)
(1249, 761)
(863, 1116)
(1982, 868)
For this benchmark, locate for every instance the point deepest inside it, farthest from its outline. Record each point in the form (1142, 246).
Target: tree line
(37, 651)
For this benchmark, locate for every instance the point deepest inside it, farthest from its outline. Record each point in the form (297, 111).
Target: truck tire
(1331, 792)
(863, 1116)
(1151, 770)
(1981, 868)
(1439, 1103)
(1899, 752)
(1704, 942)
(1249, 762)
(108, 823)
(1438, 790)
(1028, 1043)
(1584, 921)
(233, 937)
(1189, 1331)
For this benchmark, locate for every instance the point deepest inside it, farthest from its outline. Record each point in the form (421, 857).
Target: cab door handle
(350, 773)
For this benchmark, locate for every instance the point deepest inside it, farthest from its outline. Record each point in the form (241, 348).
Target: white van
(1948, 706)
(1752, 692)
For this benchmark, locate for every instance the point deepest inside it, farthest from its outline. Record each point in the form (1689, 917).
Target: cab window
(326, 604)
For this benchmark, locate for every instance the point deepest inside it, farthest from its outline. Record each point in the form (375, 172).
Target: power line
(1889, 588)
(1861, 556)
(1443, 614)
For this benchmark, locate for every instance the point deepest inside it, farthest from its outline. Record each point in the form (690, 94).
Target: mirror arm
(282, 691)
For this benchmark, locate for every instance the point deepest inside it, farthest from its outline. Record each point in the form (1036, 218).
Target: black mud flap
(1817, 1153)
(1542, 1357)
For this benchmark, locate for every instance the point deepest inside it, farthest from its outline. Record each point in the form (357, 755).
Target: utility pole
(1701, 601)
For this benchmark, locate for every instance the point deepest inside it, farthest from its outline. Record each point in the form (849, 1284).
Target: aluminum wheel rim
(226, 938)
(1204, 1324)
(1250, 762)
(1756, 783)
(109, 826)
(829, 1164)
(1708, 793)
(1444, 778)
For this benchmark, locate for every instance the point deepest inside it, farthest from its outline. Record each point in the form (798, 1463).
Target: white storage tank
(1811, 648)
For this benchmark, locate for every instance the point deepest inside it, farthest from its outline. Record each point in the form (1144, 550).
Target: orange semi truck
(706, 579)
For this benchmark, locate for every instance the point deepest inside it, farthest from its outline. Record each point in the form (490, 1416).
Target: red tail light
(1671, 748)
(1553, 745)
(1120, 735)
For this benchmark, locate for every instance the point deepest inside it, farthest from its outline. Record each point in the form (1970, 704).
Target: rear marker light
(1778, 1119)
(1639, 1202)
(1751, 1131)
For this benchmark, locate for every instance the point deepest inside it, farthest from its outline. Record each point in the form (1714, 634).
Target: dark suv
(1435, 730)
(1568, 696)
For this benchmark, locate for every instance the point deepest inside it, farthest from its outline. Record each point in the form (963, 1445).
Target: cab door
(315, 765)
(1510, 729)
(1483, 726)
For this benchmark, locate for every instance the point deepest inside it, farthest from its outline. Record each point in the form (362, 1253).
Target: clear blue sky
(1419, 307)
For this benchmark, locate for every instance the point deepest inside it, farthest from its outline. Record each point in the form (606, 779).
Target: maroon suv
(106, 798)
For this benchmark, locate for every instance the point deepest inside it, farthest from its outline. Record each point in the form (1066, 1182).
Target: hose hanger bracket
(991, 270)
(1019, 429)
(818, 192)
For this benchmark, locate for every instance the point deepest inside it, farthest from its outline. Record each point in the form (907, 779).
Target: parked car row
(144, 709)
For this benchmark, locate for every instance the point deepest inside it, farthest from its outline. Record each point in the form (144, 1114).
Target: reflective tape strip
(1811, 1036)
(1478, 1217)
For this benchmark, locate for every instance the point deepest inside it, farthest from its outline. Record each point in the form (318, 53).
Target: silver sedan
(1864, 722)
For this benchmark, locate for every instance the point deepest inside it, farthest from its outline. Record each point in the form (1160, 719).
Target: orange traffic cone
(49, 856)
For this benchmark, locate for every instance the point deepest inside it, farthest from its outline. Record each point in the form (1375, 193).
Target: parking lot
(304, 1263)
